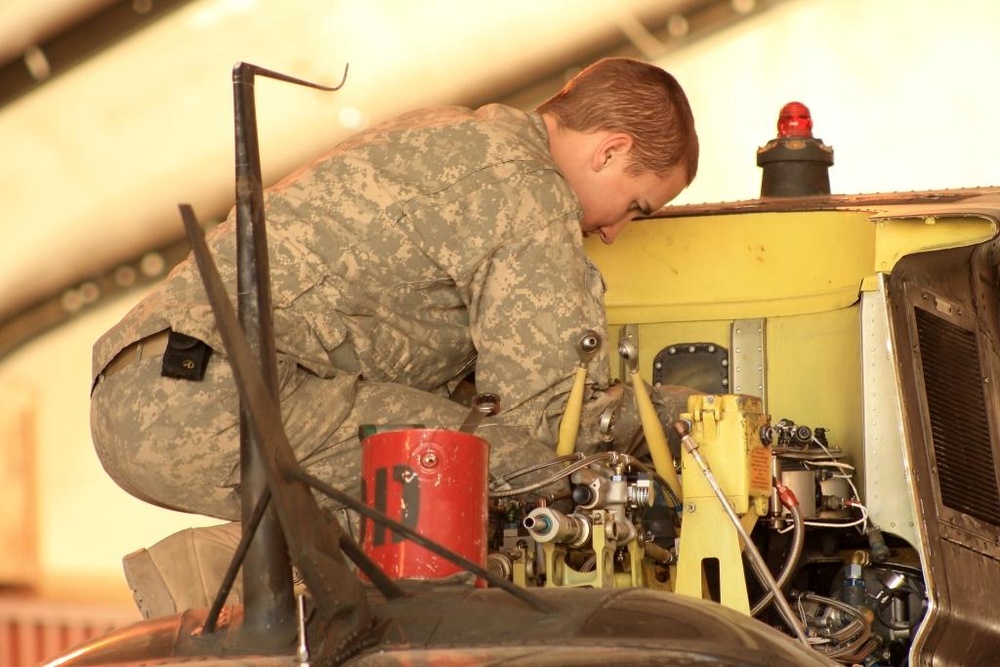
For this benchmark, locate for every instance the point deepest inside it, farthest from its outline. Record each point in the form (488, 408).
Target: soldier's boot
(183, 571)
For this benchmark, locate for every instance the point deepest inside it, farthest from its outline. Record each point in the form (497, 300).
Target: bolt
(588, 345)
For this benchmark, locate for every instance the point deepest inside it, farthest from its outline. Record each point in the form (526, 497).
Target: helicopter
(873, 318)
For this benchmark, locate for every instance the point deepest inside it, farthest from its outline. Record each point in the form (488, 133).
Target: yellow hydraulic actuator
(586, 348)
(652, 428)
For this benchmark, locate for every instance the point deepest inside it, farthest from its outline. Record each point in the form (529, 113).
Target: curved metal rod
(248, 68)
(229, 578)
(343, 613)
(267, 576)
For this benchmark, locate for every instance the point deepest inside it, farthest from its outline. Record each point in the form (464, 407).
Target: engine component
(838, 576)
(545, 524)
(870, 614)
(787, 500)
(876, 540)
(815, 471)
(601, 542)
(726, 429)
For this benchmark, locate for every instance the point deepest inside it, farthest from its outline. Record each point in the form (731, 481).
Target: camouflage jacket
(439, 241)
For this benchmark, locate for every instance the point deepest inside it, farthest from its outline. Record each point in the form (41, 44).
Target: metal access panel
(944, 321)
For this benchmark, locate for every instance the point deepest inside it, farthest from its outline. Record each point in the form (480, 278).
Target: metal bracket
(748, 373)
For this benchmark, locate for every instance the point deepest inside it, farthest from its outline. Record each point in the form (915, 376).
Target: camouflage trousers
(175, 443)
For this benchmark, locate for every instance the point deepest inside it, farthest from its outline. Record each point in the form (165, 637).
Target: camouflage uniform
(441, 241)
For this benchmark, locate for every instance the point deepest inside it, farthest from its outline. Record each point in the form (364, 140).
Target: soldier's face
(613, 197)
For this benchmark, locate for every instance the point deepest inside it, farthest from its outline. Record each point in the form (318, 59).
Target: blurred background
(112, 113)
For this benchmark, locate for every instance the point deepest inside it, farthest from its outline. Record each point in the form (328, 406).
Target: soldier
(441, 242)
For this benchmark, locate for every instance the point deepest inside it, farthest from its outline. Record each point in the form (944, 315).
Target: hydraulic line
(562, 473)
(683, 429)
(791, 562)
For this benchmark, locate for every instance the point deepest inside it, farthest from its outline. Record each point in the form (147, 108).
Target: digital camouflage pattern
(442, 241)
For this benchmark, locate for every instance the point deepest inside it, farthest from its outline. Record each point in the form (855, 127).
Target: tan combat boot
(183, 571)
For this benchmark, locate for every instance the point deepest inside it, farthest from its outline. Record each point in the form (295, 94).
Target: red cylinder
(433, 481)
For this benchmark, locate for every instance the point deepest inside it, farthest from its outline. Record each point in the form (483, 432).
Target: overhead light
(678, 26)
(352, 118)
(37, 63)
(214, 13)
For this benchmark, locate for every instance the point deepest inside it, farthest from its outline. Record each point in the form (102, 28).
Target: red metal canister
(433, 481)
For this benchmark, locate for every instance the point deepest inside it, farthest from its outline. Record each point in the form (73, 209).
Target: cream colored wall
(902, 90)
(85, 522)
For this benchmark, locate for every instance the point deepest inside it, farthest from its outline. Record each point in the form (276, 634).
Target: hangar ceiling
(112, 113)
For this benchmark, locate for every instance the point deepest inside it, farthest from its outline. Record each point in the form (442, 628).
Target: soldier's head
(623, 134)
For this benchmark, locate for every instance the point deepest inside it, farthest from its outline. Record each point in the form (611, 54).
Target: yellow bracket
(708, 534)
(559, 573)
(519, 571)
(727, 430)
(636, 575)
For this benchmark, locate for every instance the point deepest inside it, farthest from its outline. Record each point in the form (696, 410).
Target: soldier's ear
(612, 147)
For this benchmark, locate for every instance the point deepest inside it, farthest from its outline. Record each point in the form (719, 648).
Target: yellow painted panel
(898, 237)
(736, 266)
(685, 280)
(763, 264)
(814, 368)
(814, 374)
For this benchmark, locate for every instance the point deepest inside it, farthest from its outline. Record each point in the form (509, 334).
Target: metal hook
(241, 70)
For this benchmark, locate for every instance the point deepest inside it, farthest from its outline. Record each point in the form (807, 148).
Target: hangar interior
(111, 113)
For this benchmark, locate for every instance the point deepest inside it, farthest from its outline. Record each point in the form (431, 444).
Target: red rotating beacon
(795, 164)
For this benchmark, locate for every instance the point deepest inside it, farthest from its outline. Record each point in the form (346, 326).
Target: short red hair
(639, 99)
